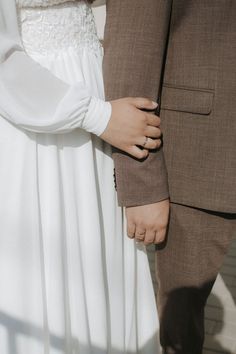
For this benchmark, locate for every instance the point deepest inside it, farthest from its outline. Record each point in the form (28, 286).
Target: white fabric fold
(97, 108)
(33, 98)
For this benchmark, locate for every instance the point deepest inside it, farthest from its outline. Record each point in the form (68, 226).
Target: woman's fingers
(153, 132)
(131, 129)
(153, 144)
(144, 145)
(143, 103)
(153, 120)
(138, 153)
(148, 143)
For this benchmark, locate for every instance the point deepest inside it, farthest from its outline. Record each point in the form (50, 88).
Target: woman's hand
(132, 130)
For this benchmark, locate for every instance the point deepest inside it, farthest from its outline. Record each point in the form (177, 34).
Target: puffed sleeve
(33, 98)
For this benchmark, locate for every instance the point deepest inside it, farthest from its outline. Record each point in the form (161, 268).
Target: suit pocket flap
(187, 100)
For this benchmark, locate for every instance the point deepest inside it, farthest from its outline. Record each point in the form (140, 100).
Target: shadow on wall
(99, 3)
(212, 341)
(15, 328)
(182, 322)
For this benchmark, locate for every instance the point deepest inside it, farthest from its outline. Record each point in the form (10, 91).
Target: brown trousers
(187, 266)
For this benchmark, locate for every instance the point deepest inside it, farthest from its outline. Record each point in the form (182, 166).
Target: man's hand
(130, 128)
(148, 223)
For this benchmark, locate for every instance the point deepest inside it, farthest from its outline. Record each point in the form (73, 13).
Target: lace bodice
(51, 26)
(40, 3)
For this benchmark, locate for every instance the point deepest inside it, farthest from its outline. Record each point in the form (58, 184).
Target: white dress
(71, 282)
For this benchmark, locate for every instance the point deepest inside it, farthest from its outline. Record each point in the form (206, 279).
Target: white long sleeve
(33, 98)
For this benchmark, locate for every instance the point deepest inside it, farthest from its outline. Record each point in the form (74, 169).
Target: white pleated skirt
(71, 282)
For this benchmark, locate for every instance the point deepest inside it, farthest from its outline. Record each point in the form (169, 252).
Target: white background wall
(99, 9)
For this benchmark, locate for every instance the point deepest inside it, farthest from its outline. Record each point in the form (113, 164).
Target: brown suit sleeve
(135, 41)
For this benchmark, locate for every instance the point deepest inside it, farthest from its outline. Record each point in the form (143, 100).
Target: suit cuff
(140, 182)
(148, 199)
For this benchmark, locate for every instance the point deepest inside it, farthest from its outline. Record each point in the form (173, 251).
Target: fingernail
(154, 104)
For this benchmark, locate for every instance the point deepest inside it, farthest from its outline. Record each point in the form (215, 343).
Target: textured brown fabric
(131, 51)
(186, 270)
(198, 97)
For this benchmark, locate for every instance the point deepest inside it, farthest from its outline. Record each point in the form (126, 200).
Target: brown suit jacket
(195, 80)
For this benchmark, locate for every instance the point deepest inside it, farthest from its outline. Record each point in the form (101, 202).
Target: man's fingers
(131, 230)
(140, 234)
(149, 237)
(160, 236)
(143, 103)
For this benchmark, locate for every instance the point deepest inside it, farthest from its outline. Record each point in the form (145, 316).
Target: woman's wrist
(97, 116)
